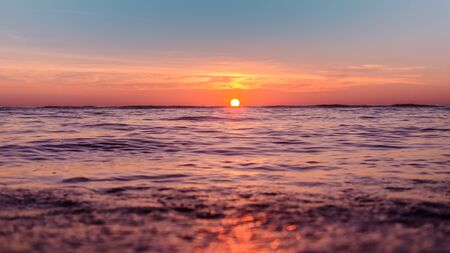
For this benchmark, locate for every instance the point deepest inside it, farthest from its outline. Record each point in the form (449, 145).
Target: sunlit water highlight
(262, 179)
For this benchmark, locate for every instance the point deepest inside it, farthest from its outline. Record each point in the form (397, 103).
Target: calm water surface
(263, 179)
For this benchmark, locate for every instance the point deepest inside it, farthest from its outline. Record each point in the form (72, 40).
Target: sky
(205, 52)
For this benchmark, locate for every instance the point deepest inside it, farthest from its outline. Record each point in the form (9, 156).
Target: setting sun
(235, 102)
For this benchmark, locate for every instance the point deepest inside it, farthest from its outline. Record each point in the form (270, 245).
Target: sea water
(216, 179)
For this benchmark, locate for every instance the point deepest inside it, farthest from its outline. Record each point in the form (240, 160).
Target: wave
(197, 118)
(123, 179)
(206, 118)
(112, 126)
(44, 149)
(413, 105)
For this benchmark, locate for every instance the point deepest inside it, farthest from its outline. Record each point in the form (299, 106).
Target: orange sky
(205, 52)
(94, 80)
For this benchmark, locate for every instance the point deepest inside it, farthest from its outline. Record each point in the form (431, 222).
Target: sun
(235, 102)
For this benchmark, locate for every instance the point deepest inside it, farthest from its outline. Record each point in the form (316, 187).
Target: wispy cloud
(31, 67)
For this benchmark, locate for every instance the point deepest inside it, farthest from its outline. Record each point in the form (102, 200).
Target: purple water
(212, 179)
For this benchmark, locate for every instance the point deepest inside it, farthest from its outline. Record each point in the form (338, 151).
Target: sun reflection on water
(249, 233)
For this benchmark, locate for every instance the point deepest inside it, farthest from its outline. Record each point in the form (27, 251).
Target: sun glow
(235, 102)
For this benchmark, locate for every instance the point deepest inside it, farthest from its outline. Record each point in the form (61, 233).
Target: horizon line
(131, 106)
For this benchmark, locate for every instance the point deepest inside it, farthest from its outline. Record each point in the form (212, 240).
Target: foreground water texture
(263, 179)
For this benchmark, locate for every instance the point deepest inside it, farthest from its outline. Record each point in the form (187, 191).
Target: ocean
(216, 179)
